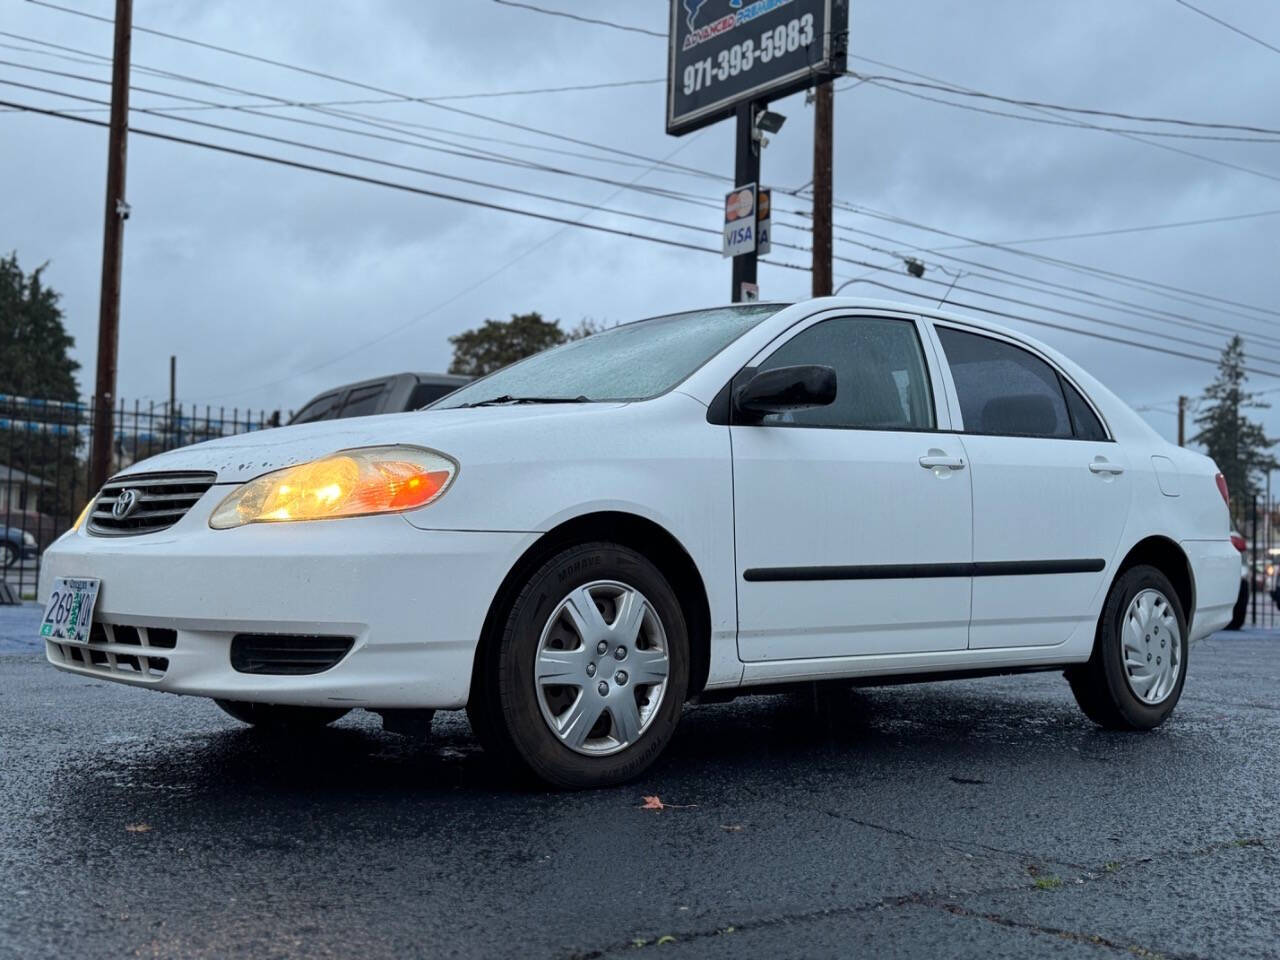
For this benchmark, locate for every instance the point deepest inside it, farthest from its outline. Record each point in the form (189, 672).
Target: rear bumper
(413, 600)
(1215, 572)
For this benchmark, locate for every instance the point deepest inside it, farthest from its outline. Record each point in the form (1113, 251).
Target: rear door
(852, 521)
(1050, 492)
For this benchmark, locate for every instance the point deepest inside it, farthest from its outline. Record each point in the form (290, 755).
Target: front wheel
(1134, 678)
(8, 555)
(585, 686)
(275, 716)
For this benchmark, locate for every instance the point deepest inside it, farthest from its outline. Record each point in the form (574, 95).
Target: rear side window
(881, 380)
(1003, 389)
(321, 408)
(425, 393)
(1083, 420)
(363, 401)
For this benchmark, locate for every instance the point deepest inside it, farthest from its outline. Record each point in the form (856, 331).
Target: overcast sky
(270, 283)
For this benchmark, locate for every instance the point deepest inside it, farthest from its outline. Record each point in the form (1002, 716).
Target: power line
(1056, 261)
(322, 75)
(581, 19)
(1223, 23)
(956, 90)
(375, 181)
(1137, 345)
(1115, 231)
(1075, 124)
(1047, 110)
(596, 146)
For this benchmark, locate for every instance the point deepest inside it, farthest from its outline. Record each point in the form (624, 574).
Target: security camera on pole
(730, 58)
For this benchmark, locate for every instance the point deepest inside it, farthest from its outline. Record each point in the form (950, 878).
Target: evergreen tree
(35, 347)
(1237, 444)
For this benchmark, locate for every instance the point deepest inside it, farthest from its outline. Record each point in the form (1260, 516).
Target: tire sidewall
(536, 744)
(1110, 648)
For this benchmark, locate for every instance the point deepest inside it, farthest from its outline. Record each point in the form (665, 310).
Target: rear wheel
(275, 716)
(8, 555)
(1134, 678)
(586, 684)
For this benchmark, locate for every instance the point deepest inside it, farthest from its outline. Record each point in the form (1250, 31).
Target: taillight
(1237, 541)
(1222, 489)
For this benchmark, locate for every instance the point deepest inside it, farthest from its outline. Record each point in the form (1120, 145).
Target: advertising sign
(764, 226)
(740, 221)
(725, 52)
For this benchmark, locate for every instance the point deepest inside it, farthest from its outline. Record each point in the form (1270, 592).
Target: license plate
(69, 614)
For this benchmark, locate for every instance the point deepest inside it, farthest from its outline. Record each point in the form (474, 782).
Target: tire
(623, 684)
(275, 716)
(1241, 608)
(1112, 688)
(8, 556)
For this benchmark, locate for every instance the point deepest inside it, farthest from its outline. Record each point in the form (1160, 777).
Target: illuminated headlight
(350, 483)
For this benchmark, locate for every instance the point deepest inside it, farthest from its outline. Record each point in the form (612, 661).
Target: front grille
(286, 654)
(120, 649)
(159, 500)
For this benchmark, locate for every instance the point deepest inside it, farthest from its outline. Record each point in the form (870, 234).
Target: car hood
(248, 455)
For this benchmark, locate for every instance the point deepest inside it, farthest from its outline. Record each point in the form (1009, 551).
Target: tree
(1237, 444)
(35, 364)
(496, 343)
(34, 345)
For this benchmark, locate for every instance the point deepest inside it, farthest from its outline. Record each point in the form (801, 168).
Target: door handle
(934, 461)
(1101, 465)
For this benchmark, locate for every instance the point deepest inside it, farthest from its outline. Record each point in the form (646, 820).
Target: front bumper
(414, 600)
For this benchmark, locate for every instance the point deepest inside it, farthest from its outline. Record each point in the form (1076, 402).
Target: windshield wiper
(506, 399)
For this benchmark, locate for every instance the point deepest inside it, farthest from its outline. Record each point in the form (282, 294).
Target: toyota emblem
(125, 504)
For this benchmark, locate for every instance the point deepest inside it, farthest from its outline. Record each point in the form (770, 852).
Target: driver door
(853, 521)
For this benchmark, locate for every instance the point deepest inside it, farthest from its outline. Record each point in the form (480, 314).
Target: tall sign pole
(746, 171)
(112, 251)
(729, 58)
(823, 156)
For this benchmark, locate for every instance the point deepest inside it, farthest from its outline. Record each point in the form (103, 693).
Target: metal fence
(44, 469)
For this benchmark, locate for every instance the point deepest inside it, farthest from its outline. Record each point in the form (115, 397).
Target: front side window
(363, 401)
(322, 408)
(1003, 389)
(881, 379)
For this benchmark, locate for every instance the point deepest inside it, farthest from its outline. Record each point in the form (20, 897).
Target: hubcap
(600, 672)
(1152, 647)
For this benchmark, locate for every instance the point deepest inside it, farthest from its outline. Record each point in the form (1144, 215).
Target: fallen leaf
(666, 938)
(138, 827)
(731, 827)
(651, 803)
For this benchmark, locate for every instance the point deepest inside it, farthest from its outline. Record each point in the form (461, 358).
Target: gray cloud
(264, 281)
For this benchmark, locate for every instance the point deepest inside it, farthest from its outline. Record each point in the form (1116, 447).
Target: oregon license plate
(69, 614)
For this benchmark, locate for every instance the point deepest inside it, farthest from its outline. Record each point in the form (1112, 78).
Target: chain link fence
(44, 469)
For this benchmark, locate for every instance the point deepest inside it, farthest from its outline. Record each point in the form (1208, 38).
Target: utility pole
(117, 211)
(173, 383)
(823, 149)
(746, 170)
(1182, 421)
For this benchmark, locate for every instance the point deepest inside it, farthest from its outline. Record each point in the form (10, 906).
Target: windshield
(634, 361)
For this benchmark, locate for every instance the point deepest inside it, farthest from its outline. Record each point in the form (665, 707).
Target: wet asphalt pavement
(982, 818)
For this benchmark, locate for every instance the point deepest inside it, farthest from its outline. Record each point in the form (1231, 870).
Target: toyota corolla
(686, 506)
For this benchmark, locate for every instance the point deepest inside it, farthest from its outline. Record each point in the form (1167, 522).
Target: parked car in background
(394, 394)
(16, 546)
(1242, 601)
(683, 507)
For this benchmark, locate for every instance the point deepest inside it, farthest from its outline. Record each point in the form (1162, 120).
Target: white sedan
(681, 507)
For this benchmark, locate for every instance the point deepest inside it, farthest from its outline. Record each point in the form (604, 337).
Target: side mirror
(784, 389)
